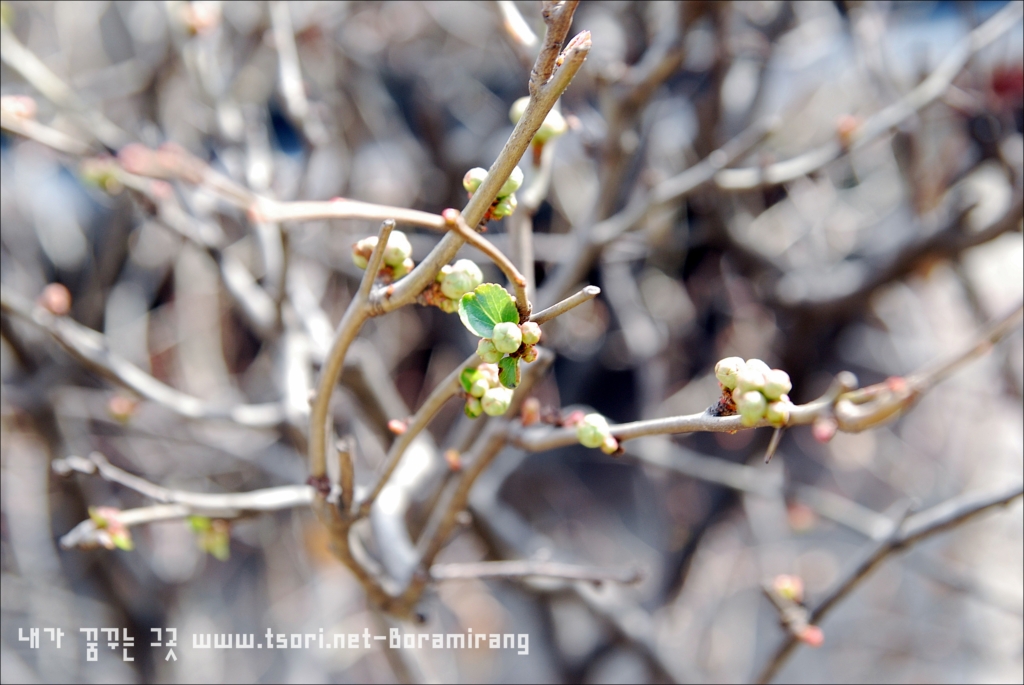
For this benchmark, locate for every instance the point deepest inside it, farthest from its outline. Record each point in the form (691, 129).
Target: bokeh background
(401, 99)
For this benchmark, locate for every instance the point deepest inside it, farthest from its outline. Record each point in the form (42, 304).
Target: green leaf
(468, 377)
(488, 305)
(508, 371)
(199, 523)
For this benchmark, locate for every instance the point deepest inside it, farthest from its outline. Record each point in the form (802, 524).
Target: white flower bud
(592, 430)
(758, 366)
(486, 351)
(445, 270)
(777, 413)
(398, 249)
(776, 384)
(554, 125)
(479, 387)
(751, 405)
(462, 278)
(496, 400)
(531, 333)
(727, 369)
(507, 337)
(362, 250)
(749, 379)
(610, 445)
(518, 109)
(473, 179)
(490, 372)
(512, 183)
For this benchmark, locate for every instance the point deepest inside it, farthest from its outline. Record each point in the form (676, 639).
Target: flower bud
(812, 636)
(473, 179)
(776, 384)
(727, 369)
(479, 387)
(530, 412)
(824, 428)
(777, 413)
(529, 354)
(486, 351)
(751, 406)
(610, 445)
(758, 366)
(531, 332)
(445, 270)
(490, 372)
(512, 183)
(473, 407)
(403, 269)
(56, 298)
(463, 277)
(398, 249)
(507, 337)
(362, 250)
(496, 400)
(448, 306)
(505, 207)
(554, 125)
(790, 587)
(749, 379)
(518, 109)
(592, 430)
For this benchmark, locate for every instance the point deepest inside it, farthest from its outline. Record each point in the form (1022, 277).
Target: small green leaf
(199, 523)
(468, 377)
(489, 304)
(123, 540)
(508, 372)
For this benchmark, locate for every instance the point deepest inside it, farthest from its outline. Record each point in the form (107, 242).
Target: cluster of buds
(758, 391)
(484, 392)
(452, 282)
(592, 430)
(554, 125)
(397, 255)
(505, 203)
(510, 338)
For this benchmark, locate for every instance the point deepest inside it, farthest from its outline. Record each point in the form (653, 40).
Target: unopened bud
(473, 179)
(749, 379)
(473, 407)
(463, 277)
(496, 401)
(402, 269)
(824, 428)
(507, 337)
(479, 387)
(531, 411)
(485, 350)
(512, 183)
(790, 587)
(726, 371)
(398, 249)
(362, 250)
(531, 333)
(751, 406)
(592, 430)
(518, 109)
(529, 354)
(505, 207)
(758, 366)
(610, 445)
(554, 125)
(56, 298)
(812, 636)
(453, 459)
(448, 306)
(491, 372)
(776, 384)
(778, 412)
(397, 426)
(121, 408)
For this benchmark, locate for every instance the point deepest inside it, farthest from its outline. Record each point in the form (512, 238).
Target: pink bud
(397, 426)
(824, 428)
(812, 636)
(56, 298)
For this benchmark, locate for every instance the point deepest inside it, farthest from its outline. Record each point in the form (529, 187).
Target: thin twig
(357, 313)
(530, 568)
(266, 209)
(557, 20)
(459, 225)
(91, 350)
(884, 121)
(941, 517)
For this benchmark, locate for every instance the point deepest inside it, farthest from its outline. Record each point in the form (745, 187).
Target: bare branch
(884, 121)
(557, 20)
(529, 569)
(941, 517)
(90, 349)
(267, 209)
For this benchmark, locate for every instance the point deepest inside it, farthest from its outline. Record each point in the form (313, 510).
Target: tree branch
(529, 569)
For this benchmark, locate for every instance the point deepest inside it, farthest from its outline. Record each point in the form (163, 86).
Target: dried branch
(884, 121)
(941, 517)
(91, 350)
(524, 41)
(530, 569)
